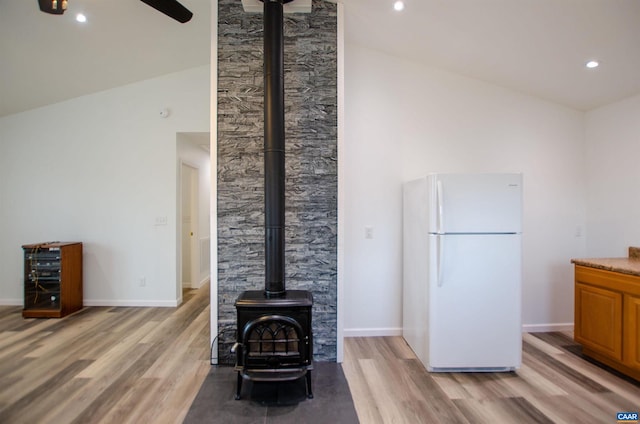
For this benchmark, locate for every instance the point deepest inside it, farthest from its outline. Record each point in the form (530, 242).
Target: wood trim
(608, 279)
(71, 281)
(42, 313)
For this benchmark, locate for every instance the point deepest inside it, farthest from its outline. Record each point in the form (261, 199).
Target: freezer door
(475, 203)
(474, 302)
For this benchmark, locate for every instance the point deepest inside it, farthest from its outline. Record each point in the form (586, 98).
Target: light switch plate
(368, 232)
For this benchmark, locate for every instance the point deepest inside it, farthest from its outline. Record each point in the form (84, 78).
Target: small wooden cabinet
(52, 279)
(607, 317)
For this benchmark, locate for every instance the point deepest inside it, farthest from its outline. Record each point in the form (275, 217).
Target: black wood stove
(274, 338)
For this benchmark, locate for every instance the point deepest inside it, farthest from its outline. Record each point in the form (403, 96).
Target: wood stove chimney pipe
(274, 146)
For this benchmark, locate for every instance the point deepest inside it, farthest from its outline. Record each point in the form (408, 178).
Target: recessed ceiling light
(592, 64)
(81, 17)
(399, 5)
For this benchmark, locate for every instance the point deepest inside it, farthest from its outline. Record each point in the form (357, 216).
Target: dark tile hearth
(276, 402)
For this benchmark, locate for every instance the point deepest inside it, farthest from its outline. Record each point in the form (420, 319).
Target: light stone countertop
(629, 265)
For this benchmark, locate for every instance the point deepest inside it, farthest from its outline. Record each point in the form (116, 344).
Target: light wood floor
(104, 365)
(389, 385)
(145, 365)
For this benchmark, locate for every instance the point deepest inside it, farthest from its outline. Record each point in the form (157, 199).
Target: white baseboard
(204, 281)
(188, 285)
(110, 302)
(544, 328)
(397, 331)
(132, 303)
(201, 283)
(372, 332)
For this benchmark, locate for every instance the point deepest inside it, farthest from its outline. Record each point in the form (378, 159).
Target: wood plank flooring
(554, 385)
(104, 365)
(146, 365)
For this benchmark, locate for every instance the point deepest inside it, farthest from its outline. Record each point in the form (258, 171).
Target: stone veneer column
(311, 164)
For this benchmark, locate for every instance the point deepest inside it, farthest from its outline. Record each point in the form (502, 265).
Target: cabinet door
(631, 328)
(598, 320)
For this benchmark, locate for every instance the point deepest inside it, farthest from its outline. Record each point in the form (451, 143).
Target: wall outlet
(161, 220)
(368, 232)
(142, 281)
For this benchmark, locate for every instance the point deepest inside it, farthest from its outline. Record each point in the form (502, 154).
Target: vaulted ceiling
(538, 47)
(49, 58)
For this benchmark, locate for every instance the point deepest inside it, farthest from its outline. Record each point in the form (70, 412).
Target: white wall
(100, 169)
(613, 159)
(404, 120)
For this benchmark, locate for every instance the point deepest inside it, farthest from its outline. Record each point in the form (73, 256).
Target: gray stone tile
(276, 403)
(311, 169)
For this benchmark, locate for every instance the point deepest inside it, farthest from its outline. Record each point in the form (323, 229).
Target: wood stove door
(274, 341)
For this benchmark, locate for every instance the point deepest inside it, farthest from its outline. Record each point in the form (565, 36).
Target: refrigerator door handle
(439, 199)
(440, 256)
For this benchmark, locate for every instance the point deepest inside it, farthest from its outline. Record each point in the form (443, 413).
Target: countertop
(629, 265)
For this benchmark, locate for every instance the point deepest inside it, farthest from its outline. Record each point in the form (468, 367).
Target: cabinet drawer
(598, 319)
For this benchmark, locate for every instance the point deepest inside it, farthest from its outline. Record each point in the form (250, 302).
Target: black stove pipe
(274, 170)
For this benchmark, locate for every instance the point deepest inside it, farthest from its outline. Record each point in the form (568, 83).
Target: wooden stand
(52, 279)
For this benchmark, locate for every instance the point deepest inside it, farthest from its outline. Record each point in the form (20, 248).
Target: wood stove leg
(238, 385)
(309, 392)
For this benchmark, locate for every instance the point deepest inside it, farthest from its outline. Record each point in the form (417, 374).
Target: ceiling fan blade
(170, 8)
(49, 6)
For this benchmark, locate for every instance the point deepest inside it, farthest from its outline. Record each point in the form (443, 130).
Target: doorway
(193, 186)
(189, 216)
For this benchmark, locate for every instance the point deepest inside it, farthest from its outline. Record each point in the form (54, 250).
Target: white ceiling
(538, 47)
(48, 58)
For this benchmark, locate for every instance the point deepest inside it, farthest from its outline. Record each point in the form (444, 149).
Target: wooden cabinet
(607, 317)
(52, 279)
(599, 312)
(631, 356)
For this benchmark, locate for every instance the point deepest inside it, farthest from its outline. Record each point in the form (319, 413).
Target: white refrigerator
(462, 271)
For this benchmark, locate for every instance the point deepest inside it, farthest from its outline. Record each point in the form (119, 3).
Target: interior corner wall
(101, 169)
(404, 120)
(310, 58)
(613, 197)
